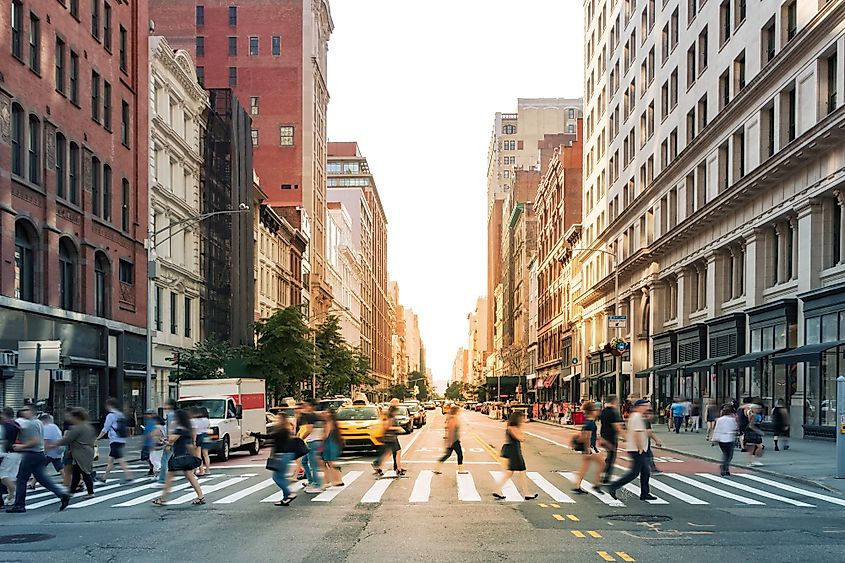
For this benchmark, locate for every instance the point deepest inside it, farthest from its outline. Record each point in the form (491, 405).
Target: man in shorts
(115, 429)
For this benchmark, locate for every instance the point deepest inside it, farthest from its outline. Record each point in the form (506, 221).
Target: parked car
(417, 412)
(360, 425)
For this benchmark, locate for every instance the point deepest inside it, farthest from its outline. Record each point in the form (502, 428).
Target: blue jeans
(165, 457)
(280, 476)
(34, 464)
(309, 464)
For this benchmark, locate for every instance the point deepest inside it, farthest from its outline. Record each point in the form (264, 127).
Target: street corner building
(73, 202)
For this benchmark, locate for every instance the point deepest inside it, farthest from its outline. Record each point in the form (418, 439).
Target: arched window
(24, 262)
(95, 186)
(73, 173)
(34, 150)
(102, 284)
(61, 166)
(67, 274)
(17, 139)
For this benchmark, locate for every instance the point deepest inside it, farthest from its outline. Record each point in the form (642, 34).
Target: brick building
(273, 57)
(73, 198)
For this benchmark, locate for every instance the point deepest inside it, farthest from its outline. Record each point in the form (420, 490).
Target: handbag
(185, 462)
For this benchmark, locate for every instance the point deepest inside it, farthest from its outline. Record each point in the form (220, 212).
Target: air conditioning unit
(8, 358)
(63, 375)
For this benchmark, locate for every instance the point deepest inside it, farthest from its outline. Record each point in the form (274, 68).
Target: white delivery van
(235, 406)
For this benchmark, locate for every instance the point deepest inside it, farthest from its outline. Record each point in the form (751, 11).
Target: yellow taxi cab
(360, 425)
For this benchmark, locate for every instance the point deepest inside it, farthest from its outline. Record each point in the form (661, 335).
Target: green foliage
(284, 354)
(208, 359)
(339, 366)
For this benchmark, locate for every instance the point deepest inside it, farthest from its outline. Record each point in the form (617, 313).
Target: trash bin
(578, 417)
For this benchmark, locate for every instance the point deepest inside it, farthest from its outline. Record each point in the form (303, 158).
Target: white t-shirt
(635, 424)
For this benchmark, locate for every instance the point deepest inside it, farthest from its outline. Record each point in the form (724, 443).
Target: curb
(795, 478)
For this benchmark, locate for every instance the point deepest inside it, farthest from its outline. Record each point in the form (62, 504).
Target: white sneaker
(313, 490)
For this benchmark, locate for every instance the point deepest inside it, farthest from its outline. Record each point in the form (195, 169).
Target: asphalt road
(428, 517)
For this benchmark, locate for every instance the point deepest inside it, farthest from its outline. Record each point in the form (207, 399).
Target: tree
(339, 367)
(284, 354)
(208, 359)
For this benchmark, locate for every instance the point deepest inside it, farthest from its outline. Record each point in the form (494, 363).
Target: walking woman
(754, 436)
(453, 440)
(281, 456)
(724, 433)
(586, 444)
(390, 443)
(183, 461)
(512, 451)
(332, 448)
(80, 440)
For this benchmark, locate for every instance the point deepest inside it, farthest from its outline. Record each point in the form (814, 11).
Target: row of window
(254, 46)
(28, 162)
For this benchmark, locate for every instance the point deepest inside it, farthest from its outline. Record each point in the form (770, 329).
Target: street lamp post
(152, 243)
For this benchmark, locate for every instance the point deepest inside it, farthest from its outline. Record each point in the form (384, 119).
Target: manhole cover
(24, 538)
(649, 518)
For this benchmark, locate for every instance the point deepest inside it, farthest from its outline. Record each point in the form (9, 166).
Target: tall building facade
(73, 202)
(351, 183)
(713, 165)
(272, 55)
(178, 105)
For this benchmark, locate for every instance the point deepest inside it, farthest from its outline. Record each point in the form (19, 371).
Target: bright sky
(417, 84)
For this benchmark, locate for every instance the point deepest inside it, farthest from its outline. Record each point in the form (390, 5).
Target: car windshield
(357, 413)
(327, 404)
(216, 407)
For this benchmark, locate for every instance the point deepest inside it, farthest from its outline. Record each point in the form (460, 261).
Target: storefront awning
(706, 364)
(807, 353)
(749, 360)
(671, 368)
(648, 371)
(81, 361)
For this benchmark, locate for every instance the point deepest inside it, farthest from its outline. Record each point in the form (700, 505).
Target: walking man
(33, 462)
(637, 446)
(611, 427)
(116, 429)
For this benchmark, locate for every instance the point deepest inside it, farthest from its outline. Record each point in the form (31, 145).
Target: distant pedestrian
(754, 436)
(117, 429)
(611, 426)
(390, 443)
(281, 456)
(30, 444)
(183, 461)
(637, 445)
(80, 440)
(311, 431)
(332, 449)
(712, 413)
(512, 451)
(167, 450)
(452, 438)
(678, 410)
(780, 422)
(11, 460)
(585, 442)
(724, 433)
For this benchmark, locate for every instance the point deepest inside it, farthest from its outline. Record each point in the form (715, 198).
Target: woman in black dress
(182, 440)
(512, 451)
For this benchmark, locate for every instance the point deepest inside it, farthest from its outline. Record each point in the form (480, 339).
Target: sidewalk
(807, 461)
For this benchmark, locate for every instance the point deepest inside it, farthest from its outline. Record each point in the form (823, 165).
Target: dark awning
(807, 353)
(706, 364)
(749, 360)
(671, 368)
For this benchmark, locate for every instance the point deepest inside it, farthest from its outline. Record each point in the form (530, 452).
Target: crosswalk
(425, 486)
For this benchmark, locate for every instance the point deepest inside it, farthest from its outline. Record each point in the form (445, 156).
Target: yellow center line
(558, 517)
(606, 556)
(625, 556)
(578, 534)
(594, 533)
(572, 517)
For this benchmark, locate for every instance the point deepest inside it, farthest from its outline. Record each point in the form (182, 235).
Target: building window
(157, 308)
(253, 105)
(107, 193)
(124, 205)
(107, 29)
(24, 263)
(73, 173)
(253, 46)
(34, 43)
(200, 15)
(187, 318)
(60, 65)
(61, 156)
(233, 15)
(106, 105)
(67, 274)
(201, 76)
(233, 46)
(254, 134)
(95, 186)
(277, 45)
(123, 47)
(17, 29)
(233, 76)
(124, 123)
(101, 274)
(17, 136)
(173, 313)
(34, 150)
(286, 135)
(200, 46)
(95, 95)
(74, 78)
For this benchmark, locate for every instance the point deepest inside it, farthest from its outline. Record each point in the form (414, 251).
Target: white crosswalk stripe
(713, 490)
(466, 488)
(758, 492)
(792, 489)
(587, 486)
(422, 487)
(544, 484)
(332, 492)
(508, 489)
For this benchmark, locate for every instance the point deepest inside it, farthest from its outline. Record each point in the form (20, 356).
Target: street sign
(617, 321)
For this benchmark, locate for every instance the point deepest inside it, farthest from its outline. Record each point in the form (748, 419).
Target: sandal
(159, 502)
(197, 501)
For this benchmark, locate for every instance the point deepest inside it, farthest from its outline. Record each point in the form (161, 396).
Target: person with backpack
(117, 430)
